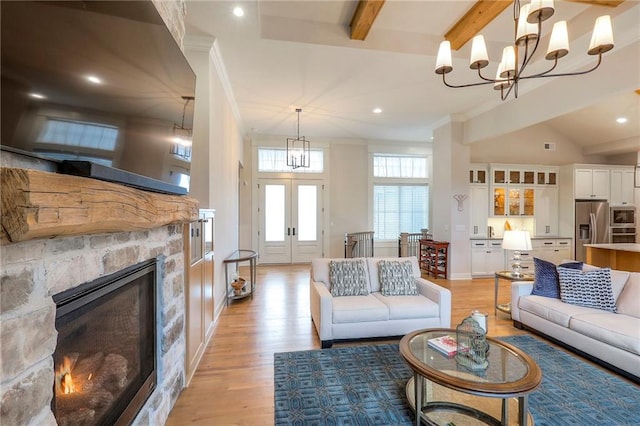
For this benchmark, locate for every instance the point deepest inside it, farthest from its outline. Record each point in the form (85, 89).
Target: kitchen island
(622, 256)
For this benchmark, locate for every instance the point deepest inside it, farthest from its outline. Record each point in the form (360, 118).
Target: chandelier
(298, 149)
(528, 29)
(182, 136)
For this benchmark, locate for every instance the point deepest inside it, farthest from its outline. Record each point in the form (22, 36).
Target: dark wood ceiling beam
(485, 11)
(476, 18)
(363, 18)
(608, 3)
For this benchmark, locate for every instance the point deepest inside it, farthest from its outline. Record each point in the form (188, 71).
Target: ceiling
(284, 55)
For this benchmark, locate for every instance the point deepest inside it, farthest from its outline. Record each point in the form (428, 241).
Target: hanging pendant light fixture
(298, 149)
(528, 31)
(182, 139)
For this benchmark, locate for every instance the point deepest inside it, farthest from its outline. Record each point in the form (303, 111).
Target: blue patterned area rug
(365, 385)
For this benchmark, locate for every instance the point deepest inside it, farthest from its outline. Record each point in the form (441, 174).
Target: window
(400, 195)
(275, 160)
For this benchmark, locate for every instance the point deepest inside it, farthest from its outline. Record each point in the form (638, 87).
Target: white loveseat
(375, 315)
(610, 339)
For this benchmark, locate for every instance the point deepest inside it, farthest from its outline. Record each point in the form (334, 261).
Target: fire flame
(64, 382)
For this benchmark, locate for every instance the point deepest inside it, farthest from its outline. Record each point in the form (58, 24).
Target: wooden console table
(434, 257)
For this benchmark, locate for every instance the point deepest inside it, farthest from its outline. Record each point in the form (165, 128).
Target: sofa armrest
(519, 288)
(438, 294)
(321, 309)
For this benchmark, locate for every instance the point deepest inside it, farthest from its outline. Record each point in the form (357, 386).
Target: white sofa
(375, 315)
(610, 339)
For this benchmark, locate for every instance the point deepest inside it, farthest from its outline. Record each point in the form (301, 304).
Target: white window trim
(396, 181)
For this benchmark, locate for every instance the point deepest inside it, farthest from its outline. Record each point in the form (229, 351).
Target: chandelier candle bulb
(526, 31)
(602, 37)
(443, 62)
(479, 56)
(559, 42)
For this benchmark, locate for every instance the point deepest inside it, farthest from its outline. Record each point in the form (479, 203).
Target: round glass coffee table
(447, 391)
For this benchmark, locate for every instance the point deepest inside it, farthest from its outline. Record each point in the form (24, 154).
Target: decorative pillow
(348, 278)
(396, 278)
(587, 288)
(546, 282)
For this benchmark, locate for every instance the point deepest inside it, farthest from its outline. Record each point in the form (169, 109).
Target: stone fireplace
(37, 269)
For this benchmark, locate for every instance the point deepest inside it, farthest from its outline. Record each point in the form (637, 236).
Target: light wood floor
(234, 382)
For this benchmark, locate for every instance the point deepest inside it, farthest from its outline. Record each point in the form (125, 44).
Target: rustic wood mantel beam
(363, 18)
(37, 204)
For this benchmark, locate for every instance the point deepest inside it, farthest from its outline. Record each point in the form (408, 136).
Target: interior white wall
(526, 146)
(217, 153)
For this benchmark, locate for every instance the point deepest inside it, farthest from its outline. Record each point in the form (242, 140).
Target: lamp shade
(516, 240)
(602, 37)
(508, 62)
(559, 42)
(479, 56)
(540, 10)
(525, 30)
(443, 61)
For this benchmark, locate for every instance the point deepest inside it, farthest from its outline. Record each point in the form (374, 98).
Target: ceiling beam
(476, 18)
(363, 18)
(608, 3)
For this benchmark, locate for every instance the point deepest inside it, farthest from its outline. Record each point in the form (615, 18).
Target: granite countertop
(618, 246)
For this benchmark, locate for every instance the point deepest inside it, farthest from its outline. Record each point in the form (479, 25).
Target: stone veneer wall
(33, 271)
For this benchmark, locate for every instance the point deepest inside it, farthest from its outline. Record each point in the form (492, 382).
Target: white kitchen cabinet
(546, 212)
(478, 175)
(553, 250)
(621, 186)
(487, 257)
(591, 184)
(479, 211)
(513, 200)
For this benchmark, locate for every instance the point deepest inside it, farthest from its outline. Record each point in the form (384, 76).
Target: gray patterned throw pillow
(348, 278)
(587, 288)
(396, 278)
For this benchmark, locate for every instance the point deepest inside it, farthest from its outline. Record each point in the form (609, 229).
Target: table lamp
(516, 241)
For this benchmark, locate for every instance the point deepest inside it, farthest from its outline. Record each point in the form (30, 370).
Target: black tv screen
(99, 87)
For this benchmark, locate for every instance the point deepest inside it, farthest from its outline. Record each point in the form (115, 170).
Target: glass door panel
(528, 202)
(514, 202)
(499, 202)
(307, 212)
(274, 229)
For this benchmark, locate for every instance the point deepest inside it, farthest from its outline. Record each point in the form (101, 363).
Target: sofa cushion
(372, 264)
(617, 330)
(546, 281)
(351, 309)
(628, 302)
(618, 281)
(396, 278)
(348, 278)
(409, 307)
(591, 289)
(550, 309)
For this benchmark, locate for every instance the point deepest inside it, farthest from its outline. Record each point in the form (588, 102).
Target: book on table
(447, 345)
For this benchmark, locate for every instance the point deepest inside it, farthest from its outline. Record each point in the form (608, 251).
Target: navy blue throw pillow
(547, 281)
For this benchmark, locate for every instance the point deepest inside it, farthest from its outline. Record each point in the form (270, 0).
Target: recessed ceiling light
(377, 110)
(238, 11)
(36, 95)
(93, 79)
(621, 120)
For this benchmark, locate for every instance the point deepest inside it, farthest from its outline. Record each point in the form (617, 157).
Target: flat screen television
(101, 88)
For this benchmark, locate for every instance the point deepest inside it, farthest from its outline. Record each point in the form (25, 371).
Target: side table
(235, 258)
(506, 275)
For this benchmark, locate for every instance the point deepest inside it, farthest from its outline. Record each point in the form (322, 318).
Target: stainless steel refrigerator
(591, 225)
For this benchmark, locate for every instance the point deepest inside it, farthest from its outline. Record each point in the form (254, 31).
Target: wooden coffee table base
(467, 408)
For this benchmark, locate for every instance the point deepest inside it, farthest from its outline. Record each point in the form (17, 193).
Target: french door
(290, 220)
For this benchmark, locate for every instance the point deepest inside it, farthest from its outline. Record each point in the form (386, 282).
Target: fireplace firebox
(105, 358)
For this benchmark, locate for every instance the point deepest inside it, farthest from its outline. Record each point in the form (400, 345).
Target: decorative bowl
(238, 285)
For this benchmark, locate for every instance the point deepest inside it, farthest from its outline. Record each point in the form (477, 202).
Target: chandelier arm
(565, 74)
(457, 86)
(488, 80)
